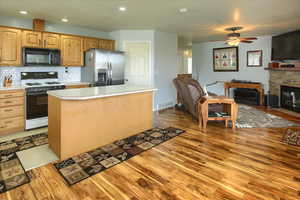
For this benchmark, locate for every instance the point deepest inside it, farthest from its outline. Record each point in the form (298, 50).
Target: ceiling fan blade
(249, 38)
(246, 41)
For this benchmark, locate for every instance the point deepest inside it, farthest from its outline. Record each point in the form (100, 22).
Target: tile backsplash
(70, 74)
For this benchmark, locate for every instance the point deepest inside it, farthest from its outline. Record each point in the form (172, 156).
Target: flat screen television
(286, 46)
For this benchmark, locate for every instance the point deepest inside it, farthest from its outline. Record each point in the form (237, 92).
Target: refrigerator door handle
(107, 74)
(110, 73)
(106, 78)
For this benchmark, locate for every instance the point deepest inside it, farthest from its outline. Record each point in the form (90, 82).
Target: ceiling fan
(234, 38)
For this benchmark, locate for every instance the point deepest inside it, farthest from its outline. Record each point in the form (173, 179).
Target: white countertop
(99, 92)
(13, 87)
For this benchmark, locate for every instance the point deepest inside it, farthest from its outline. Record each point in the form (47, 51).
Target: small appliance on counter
(103, 67)
(273, 65)
(284, 65)
(36, 85)
(7, 81)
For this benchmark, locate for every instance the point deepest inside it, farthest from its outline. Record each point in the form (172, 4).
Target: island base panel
(79, 126)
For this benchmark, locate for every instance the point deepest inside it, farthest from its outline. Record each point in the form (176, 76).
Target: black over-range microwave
(39, 56)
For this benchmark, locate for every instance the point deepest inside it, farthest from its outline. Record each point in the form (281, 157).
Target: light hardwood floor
(250, 164)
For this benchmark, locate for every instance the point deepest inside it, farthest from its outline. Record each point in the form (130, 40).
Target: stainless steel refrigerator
(103, 67)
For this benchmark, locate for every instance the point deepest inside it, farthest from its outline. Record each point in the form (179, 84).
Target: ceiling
(204, 21)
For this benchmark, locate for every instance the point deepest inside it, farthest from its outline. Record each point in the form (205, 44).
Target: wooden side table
(229, 106)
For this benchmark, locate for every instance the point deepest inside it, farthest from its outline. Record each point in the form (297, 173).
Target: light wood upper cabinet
(72, 47)
(10, 46)
(72, 50)
(90, 43)
(51, 40)
(41, 40)
(31, 39)
(107, 44)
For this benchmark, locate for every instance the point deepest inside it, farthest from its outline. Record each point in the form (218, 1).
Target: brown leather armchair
(190, 92)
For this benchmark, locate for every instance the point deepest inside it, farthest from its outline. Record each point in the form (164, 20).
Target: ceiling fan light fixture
(234, 42)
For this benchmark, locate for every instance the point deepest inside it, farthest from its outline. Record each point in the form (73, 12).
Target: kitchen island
(87, 118)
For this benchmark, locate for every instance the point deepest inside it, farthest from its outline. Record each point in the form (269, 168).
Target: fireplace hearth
(290, 98)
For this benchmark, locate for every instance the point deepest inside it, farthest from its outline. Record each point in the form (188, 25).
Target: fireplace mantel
(279, 78)
(284, 69)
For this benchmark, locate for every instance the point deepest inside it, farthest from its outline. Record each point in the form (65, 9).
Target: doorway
(138, 68)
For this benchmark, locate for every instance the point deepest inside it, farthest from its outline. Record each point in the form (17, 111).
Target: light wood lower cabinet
(12, 111)
(12, 115)
(77, 86)
(72, 50)
(11, 102)
(11, 125)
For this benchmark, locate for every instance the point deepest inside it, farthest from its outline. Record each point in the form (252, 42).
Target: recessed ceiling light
(64, 20)
(23, 12)
(183, 10)
(122, 9)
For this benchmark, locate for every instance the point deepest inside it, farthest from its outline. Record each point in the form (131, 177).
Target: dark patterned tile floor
(12, 173)
(23, 143)
(80, 167)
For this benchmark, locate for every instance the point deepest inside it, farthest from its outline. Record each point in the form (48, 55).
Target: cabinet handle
(8, 110)
(7, 101)
(40, 42)
(8, 122)
(45, 43)
(8, 95)
(0, 54)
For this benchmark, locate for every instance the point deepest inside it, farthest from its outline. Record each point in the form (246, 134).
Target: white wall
(182, 57)
(203, 64)
(122, 36)
(165, 69)
(131, 35)
(164, 61)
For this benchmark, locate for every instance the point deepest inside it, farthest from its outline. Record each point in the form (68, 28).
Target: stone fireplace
(290, 98)
(285, 84)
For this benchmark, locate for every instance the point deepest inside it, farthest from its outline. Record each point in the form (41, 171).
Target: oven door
(36, 105)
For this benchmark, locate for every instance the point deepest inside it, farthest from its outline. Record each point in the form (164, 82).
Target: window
(190, 65)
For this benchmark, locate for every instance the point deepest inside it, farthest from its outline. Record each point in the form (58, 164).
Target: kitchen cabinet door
(31, 39)
(90, 43)
(72, 50)
(107, 44)
(77, 86)
(51, 40)
(10, 46)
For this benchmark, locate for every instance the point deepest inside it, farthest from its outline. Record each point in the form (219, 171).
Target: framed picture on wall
(226, 59)
(254, 58)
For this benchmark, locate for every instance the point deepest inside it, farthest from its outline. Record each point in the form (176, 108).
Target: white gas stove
(36, 85)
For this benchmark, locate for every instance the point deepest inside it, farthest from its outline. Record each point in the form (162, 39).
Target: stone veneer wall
(278, 78)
